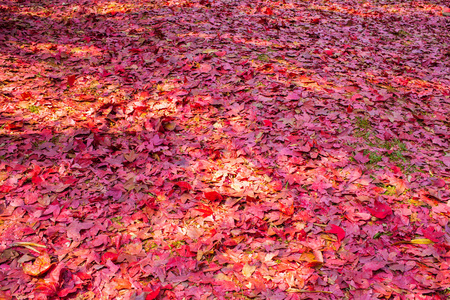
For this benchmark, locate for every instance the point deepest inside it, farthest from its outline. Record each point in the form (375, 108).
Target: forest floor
(224, 149)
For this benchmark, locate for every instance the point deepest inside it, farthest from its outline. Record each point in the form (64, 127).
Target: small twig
(292, 290)
(27, 245)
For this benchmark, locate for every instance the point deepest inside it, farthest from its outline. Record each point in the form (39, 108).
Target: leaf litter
(224, 150)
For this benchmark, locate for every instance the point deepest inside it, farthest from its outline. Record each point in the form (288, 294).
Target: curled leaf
(41, 265)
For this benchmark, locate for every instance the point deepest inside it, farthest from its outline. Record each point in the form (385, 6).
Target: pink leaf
(359, 157)
(431, 234)
(293, 96)
(446, 11)
(446, 160)
(73, 230)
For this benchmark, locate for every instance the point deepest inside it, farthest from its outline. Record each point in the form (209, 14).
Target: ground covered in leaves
(220, 149)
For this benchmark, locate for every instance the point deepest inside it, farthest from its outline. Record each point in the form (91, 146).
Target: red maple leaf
(153, 294)
(380, 210)
(183, 185)
(213, 196)
(205, 210)
(267, 123)
(109, 255)
(431, 234)
(340, 233)
(71, 80)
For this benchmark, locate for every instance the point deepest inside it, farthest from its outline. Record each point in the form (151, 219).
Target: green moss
(362, 123)
(116, 219)
(34, 109)
(263, 57)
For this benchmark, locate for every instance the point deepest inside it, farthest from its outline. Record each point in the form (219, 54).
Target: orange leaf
(122, 284)
(41, 265)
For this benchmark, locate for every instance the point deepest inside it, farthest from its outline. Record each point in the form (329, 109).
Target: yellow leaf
(415, 241)
(422, 241)
(248, 270)
(209, 51)
(294, 290)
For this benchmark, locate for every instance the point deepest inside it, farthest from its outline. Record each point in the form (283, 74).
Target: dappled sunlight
(377, 10)
(268, 150)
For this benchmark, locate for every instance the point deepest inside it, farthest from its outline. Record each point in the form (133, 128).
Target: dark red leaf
(213, 196)
(380, 210)
(152, 295)
(183, 185)
(109, 255)
(71, 80)
(340, 233)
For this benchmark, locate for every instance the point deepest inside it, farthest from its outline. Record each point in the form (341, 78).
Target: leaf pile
(224, 149)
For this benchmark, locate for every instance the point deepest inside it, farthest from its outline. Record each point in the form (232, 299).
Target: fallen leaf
(153, 294)
(380, 210)
(338, 231)
(248, 270)
(415, 241)
(122, 284)
(39, 266)
(109, 256)
(183, 185)
(71, 80)
(213, 196)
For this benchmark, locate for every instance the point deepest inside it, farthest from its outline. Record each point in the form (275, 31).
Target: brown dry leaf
(130, 156)
(248, 270)
(7, 255)
(170, 126)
